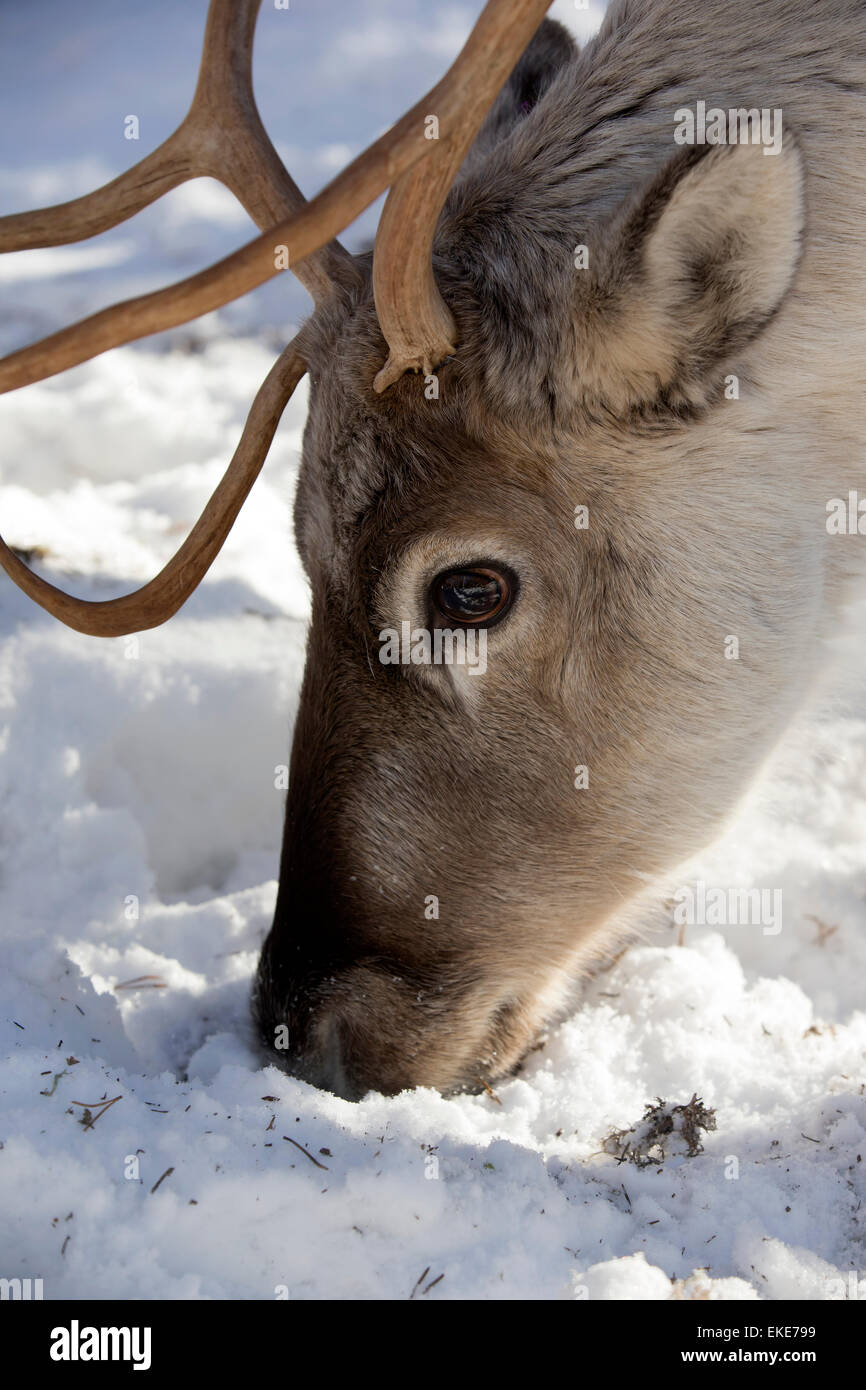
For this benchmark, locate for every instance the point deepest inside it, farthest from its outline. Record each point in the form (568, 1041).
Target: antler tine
(220, 133)
(228, 140)
(160, 171)
(314, 225)
(221, 136)
(417, 325)
(156, 601)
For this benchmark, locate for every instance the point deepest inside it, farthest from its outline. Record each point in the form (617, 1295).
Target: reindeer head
(458, 833)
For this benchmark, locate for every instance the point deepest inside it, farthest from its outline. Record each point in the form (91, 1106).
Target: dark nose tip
(322, 1060)
(298, 1020)
(329, 1059)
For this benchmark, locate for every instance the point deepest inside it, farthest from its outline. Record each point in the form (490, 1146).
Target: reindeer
(590, 393)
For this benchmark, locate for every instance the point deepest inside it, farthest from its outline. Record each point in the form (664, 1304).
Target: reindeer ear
(544, 57)
(688, 274)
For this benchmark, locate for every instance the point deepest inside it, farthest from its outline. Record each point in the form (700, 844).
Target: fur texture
(600, 387)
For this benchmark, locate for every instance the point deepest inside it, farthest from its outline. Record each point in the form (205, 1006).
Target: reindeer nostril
(330, 1067)
(329, 1050)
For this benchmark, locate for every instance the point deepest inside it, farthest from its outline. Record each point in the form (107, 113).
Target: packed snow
(140, 825)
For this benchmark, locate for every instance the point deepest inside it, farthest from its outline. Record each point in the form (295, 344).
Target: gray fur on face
(604, 387)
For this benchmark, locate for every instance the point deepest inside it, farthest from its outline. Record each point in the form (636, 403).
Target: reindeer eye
(473, 596)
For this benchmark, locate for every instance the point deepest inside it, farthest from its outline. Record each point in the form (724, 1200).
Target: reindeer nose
(327, 1060)
(319, 1057)
(334, 1022)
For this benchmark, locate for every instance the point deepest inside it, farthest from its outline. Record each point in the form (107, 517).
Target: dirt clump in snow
(665, 1129)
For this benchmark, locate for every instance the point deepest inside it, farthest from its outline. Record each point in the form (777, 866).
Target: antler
(418, 327)
(158, 600)
(306, 231)
(222, 136)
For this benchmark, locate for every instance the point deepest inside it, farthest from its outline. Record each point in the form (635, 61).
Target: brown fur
(600, 387)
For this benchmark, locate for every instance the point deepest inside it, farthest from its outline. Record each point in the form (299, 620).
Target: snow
(140, 823)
